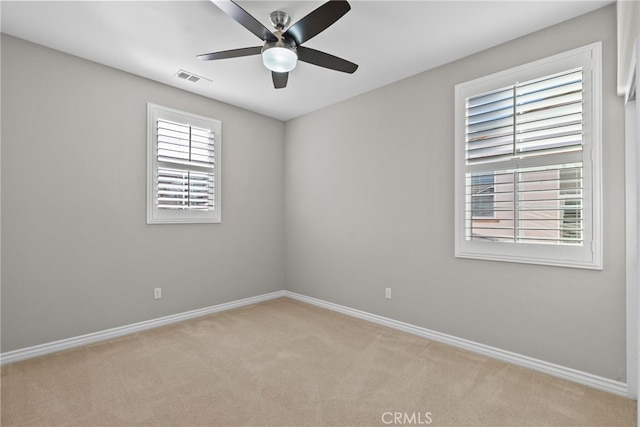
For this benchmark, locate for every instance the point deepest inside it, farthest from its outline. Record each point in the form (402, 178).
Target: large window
(528, 163)
(183, 167)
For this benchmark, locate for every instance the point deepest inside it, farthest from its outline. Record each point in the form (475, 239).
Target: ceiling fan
(282, 48)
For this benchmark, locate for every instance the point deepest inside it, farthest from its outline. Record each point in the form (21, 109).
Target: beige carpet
(283, 362)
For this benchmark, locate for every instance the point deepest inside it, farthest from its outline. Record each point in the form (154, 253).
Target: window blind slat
(479, 113)
(489, 142)
(559, 130)
(176, 161)
(557, 93)
(503, 126)
(169, 133)
(563, 114)
(489, 114)
(172, 154)
(563, 79)
(570, 142)
(491, 151)
(490, 97)
(171, 146)
(546, 104)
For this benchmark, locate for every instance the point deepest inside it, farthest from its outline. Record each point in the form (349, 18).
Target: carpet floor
(284, 362)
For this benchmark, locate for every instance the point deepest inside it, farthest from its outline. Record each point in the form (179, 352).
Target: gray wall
(369, 204)
(77, 254)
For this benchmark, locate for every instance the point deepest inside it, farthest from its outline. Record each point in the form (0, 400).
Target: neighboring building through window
(528, 163)
(183, 167)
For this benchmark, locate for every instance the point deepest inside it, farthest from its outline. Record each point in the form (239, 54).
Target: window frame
(589, 254)
(180, 216)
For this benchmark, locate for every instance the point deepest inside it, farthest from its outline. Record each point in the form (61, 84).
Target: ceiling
(389, 40)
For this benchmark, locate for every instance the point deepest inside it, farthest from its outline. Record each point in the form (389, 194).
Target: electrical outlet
(387, 293)
(157, 293)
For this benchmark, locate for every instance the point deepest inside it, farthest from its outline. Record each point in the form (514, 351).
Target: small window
(528, 163)
(183, 167)
(482, 195)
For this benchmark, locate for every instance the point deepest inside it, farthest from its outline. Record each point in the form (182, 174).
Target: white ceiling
(389, 40)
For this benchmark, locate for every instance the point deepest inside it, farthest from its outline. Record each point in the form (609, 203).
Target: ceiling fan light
(279, 59)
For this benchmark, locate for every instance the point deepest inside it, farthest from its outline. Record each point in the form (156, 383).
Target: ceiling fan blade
(233, 53)
(317, 21)
(245, 19)
(325, 60)
(279, 79)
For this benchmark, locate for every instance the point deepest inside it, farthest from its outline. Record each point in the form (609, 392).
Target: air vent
(190, 77)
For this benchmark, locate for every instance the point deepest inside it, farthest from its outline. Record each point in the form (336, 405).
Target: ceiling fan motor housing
(279, 19)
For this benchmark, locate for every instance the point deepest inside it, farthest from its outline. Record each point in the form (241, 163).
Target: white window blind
(185, 144)
(534, 205)
(527, 163)
(542, 117)
(180, 144)
(182, 189)
(184, 168)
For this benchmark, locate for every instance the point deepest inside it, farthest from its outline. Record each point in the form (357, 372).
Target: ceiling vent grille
(190, 77)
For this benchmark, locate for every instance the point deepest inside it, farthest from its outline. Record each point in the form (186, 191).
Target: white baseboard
(69, 343)
(580, 377)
